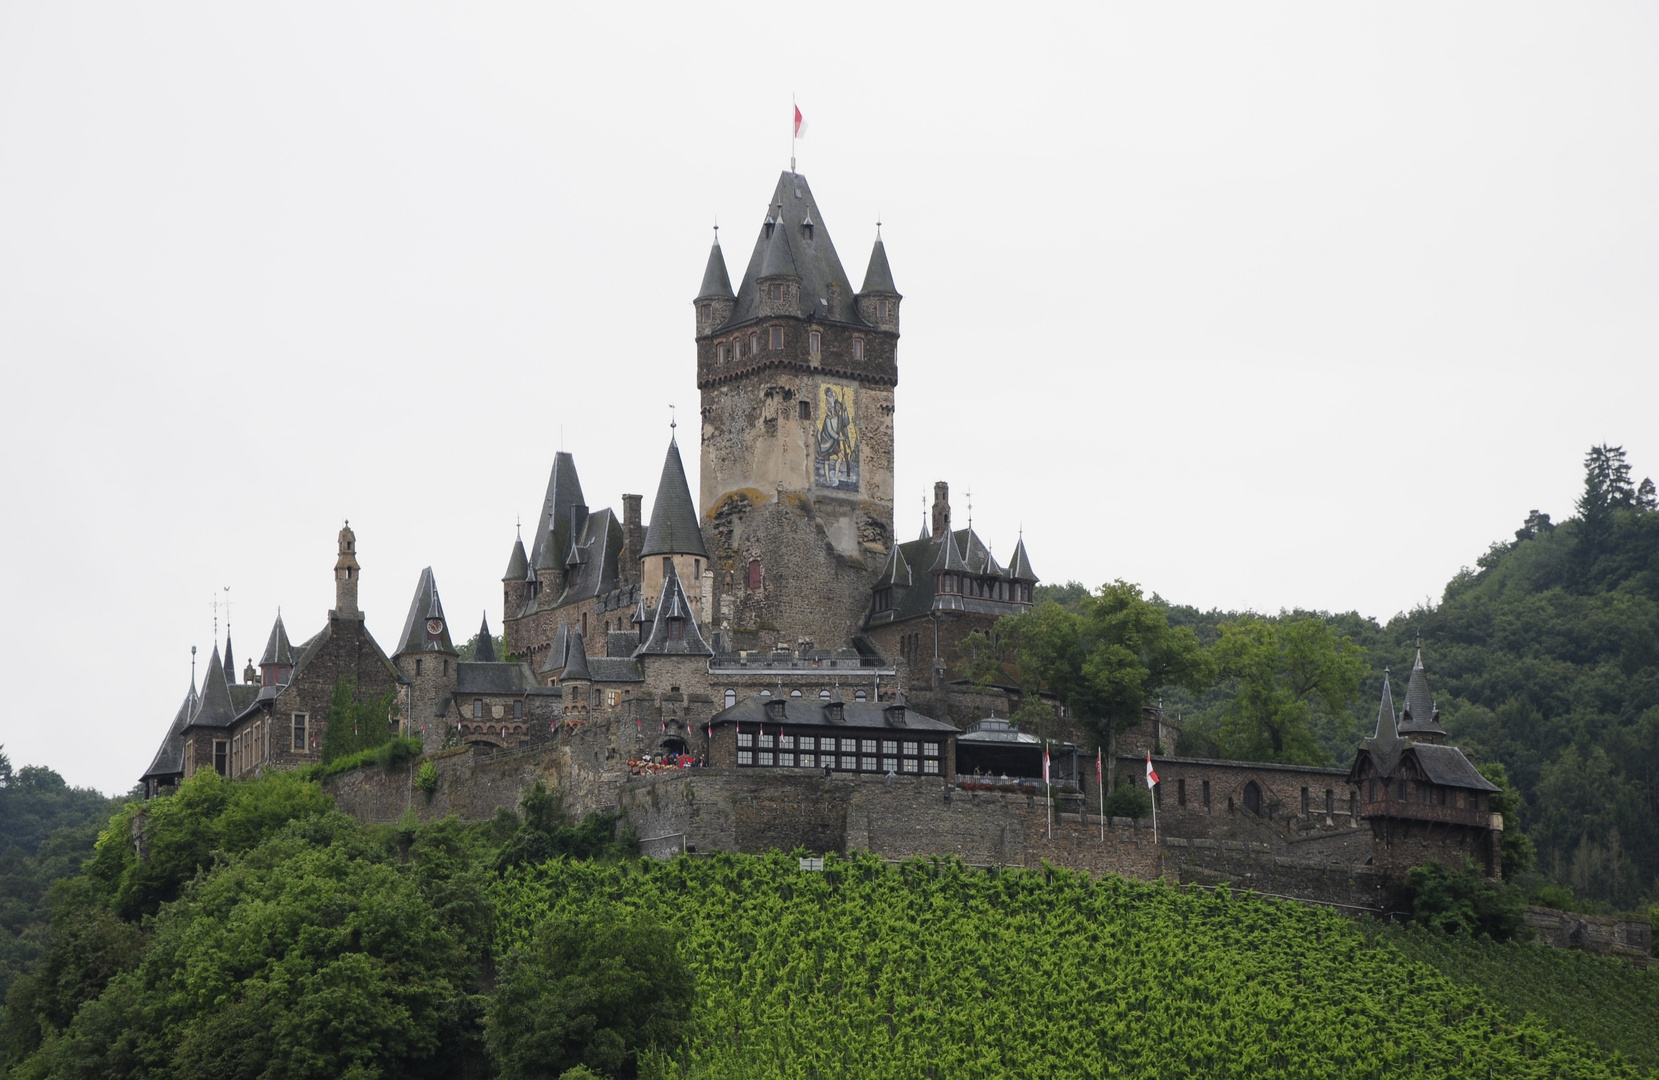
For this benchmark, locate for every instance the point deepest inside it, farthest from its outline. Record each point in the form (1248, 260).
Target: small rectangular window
(518, 710)
(889, 746)
(766, 740)
(868, 764)
(667, 566)
(889, 764)
(300, 741)
(1305, 803)
(930, 766)
(221, 757)
(808, 743)
(477, 708)
(1206, 794)
(766, 757)
(817, 341)
(909, 749)
(807, 761)
(777, 337)
(745, 757)
(849, 746)
(777, 291)
(858, 348)
(745, 738)
(867, 746)
(1180, 793)
(803, 409)
(786, 760)
(930, 749)
(418, 663)
(911, 765)
(786, 742)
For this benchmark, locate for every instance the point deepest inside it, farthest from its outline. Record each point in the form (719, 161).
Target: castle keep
(775, 631)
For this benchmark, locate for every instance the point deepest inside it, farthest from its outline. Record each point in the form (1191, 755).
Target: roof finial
(878, 226)
(970, 494)
(192, 667)
(673, 423)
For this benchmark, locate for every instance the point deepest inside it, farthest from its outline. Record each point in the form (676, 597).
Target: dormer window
(676, 629)
(806, 227)
(815, 342)
(858, 348)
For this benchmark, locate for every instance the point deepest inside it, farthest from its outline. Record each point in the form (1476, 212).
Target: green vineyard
(928, 969)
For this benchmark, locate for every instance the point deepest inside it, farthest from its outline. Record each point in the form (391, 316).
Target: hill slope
(928, 969)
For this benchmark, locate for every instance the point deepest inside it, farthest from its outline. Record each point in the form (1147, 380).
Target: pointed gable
(801, 251)
(1019, 567)
(425, 611)
(1420, 717)
(897, 569)
(673, 529)
(485, 652)
(215, 708)
(169, 759)
(674, 630)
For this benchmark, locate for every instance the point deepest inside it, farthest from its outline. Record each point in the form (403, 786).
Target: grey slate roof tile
(716, 283)
(485, 652)
(1419, 716)
(564, 490)
(878, 276)
(518, 563)
(814, 711)
(277, 649)
(673, 529)
(673, 608)
(814, 261)
(424, 606)
(169, 759)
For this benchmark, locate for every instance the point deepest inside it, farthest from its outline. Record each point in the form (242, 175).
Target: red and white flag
(800, 123)
(1097, 778)
(1045, 763)
(1151, 776)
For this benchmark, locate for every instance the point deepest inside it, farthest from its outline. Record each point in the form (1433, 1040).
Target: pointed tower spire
(1387, 734)
(1019, 567)
(717, 284)
(1420, 721)
(425, 629)
(485, 653)
(576, 658)
(230, 657)
(346, 572)
(673, 529)
(878, 276)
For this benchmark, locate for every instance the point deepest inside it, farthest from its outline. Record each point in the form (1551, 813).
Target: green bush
(1129, 800)
(1463, 901)
(426, 779)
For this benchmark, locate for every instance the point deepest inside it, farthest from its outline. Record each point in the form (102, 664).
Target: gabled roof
(716, 283)
(488, 677)
(518, 563)
(423, 607)
(1420, 717)
(673, 529)
(813, 260)
(949, 558)
(673, 608)
(169, 759)
(897, 569)
(485, 651)
(878, 277)
(277, 649)
(963, 551)
(1449, 766)
(564, 490)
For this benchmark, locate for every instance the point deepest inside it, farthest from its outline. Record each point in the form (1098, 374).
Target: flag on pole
(1045, 763)
(800, 123)
(1151, 775)
(1097, 773)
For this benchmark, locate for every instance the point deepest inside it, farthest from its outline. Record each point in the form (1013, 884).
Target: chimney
(633, 540)
(941, 508)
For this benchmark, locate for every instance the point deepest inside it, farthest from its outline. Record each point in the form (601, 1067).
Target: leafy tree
(590, 990)
(1517, 851)
(1106, 661)
(1069, 596)
(35, 802)
(1462, 901)
(1286, 672)
(1131, 801)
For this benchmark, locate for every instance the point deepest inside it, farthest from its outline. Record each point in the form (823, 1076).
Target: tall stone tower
(346, 571)
(797, 373)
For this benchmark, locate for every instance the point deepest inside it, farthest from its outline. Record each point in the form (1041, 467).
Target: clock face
(434, 626)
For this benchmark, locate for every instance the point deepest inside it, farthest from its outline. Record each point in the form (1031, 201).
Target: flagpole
(794, 129)
(1100, 786)
(1048, 791)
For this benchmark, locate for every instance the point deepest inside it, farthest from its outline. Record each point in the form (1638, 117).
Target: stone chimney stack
(346, 572)
(941, 508)
(633, 539)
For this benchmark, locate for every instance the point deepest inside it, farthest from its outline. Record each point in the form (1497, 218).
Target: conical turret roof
(423, 610)
(215, 708)
(277, 649)
(949, 557)
(673, 529)
(897, 570)
(716, 283)
(1387, 735)
(1420, 714)
(518, 563)
(576, 658)
(1019, 567)
(485, 652)
(778, 261)
(169, 759)
(230, 658)
(878, 277)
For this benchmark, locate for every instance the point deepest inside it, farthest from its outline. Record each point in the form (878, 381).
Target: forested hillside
(1544, 657)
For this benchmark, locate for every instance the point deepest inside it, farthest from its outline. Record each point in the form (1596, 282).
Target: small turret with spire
(715, 299)
(878, 300)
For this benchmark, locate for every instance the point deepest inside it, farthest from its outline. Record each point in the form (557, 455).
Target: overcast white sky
(1258, 305)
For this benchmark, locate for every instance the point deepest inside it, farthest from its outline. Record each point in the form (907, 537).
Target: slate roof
(230, 658)
(716, 282)
(673, 606)
(277, 649)
(474, 678)
(1019, 567)
(593, 560)
(554, 661)
(815, 711)
(994, 729)
(216, 709)
(673, 529)
(564, 490)
(813, 260)
(169, 759)
(615, 669)
(965, 554)
(621, 642)
(1420, 716)
(518, 563)
(1447, 765)
(576, 659)
(878, 276)
(424, 606)
(485, 652)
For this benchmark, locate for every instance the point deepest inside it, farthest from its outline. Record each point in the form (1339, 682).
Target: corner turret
(715, 299)
(276, 666)
(878, 300)
(1421, 720)
(515, 585)
(673, 540)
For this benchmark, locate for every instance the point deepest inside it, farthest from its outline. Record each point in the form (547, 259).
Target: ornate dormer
(276, 666)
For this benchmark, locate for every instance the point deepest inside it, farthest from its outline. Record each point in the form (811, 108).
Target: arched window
(859, 695)
(731, 698)
(754, 573)
(824, 694)
(766, 693)
(754, 343)
(794, 693)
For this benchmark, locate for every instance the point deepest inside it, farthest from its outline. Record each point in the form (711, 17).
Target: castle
(776, 631)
